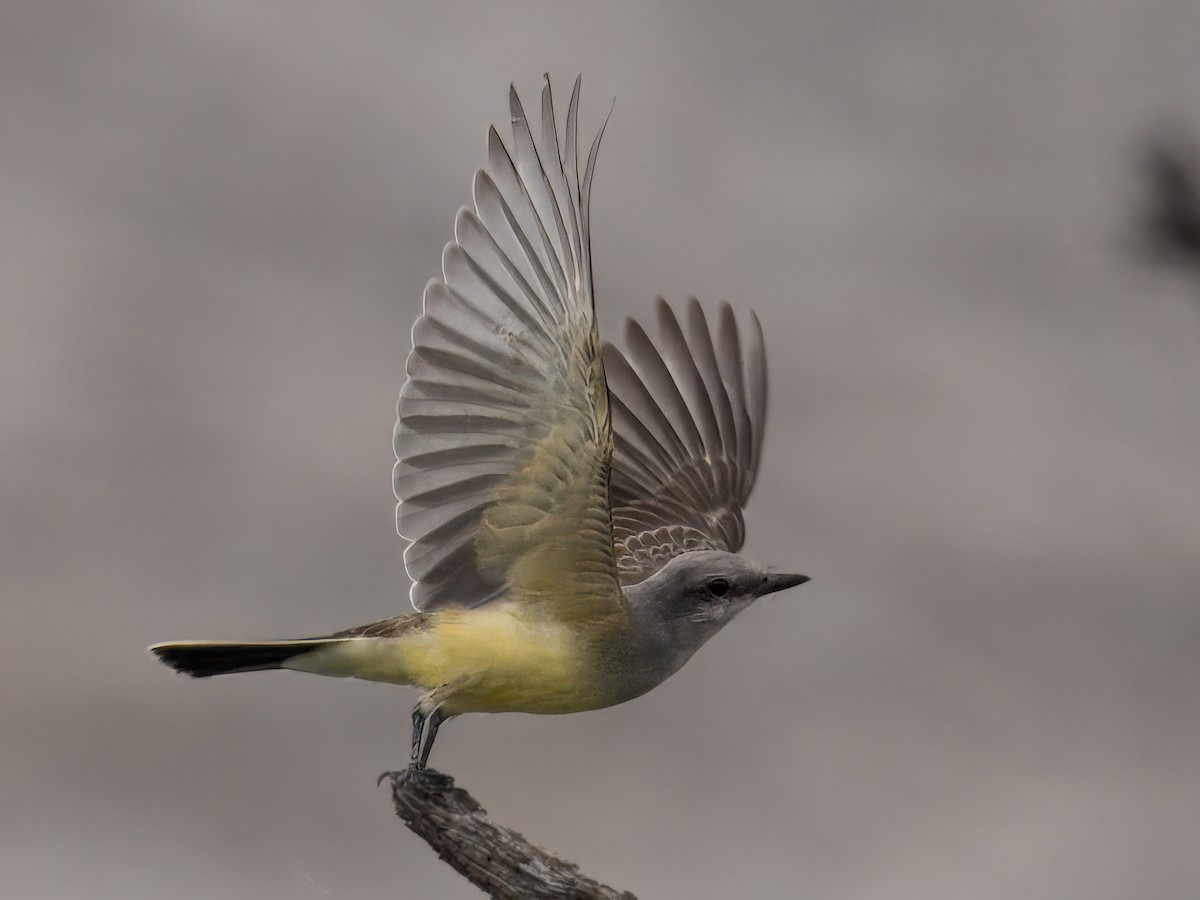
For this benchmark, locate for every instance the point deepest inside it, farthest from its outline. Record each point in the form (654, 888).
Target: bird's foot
(428, 779)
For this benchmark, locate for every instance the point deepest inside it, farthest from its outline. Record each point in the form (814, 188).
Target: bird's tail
(203, 659)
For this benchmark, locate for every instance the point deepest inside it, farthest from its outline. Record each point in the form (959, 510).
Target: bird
(573, 511)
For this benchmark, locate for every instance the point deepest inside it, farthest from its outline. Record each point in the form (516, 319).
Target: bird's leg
(427, 715)
(425, 726)
(431, 727)
(418, 720)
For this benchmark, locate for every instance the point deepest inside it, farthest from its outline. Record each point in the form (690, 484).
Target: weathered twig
(494, 858)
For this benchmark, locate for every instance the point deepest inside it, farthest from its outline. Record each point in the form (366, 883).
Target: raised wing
(503, 440)
(688, 413)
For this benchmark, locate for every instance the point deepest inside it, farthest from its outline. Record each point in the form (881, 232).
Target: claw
(393, 776)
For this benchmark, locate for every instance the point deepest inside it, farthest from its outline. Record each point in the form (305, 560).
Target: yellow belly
(498, 658)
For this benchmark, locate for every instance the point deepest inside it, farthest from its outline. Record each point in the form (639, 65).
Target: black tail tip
(203, 660)
(183, 659)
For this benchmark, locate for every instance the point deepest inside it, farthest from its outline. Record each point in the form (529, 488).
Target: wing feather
(503, 437)
(688, 412)
(681, 364)
(661, 387)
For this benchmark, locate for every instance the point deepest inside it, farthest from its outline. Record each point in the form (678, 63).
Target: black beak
(777, 581)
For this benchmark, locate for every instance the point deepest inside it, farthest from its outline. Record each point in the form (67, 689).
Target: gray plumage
(488, 367)
(688, 413)
(487, 362)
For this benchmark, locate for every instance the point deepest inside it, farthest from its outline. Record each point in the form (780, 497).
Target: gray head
(697, 593)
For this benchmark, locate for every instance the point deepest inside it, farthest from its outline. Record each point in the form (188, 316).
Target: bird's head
(697, 593)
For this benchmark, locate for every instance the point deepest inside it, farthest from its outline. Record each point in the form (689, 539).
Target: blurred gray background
(216, 221)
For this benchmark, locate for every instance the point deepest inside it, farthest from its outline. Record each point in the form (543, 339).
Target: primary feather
(502, 439)
(688, 414)
(505, 472)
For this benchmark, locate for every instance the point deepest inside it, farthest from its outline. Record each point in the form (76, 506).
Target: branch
(493, 858)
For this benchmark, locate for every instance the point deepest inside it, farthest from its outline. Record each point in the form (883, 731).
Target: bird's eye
(718, 587)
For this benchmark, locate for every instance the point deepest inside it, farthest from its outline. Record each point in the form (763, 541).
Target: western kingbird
(573, 511)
